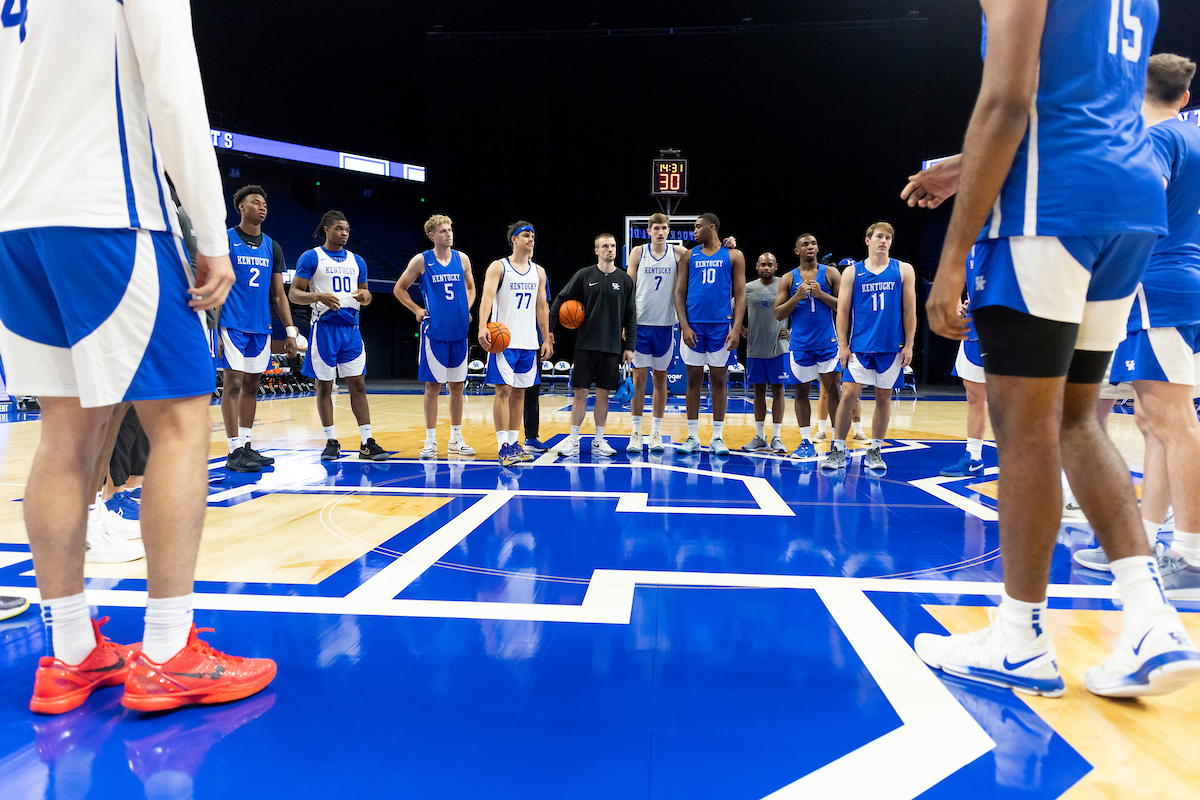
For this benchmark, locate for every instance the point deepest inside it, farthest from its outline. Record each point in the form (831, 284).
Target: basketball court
(673, 626)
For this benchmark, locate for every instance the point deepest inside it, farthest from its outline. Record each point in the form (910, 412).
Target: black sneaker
(257, 457)
(238, 461)
(372, 451)
(332, 451)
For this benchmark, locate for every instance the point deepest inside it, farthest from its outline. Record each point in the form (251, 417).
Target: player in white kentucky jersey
(334, 282)
(514, 294)
(96, 311)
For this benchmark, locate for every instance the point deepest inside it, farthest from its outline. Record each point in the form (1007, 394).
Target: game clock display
(670, 177)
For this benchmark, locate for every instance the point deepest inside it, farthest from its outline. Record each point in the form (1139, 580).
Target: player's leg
(882, 416)
(831, 390)
(695, 384)
(636, 407)
(1170, 419)
(607, 371)
(778, 409)
(231, 399)
(824, 413)
(856, 419)
(500, 405)
(367, 448)
(600, 445)
(516, 410)
(458, 445)
(836, 457)
(718, 378)
(658, 406)
(971, 462)
(578, 412)
(430, 407)
(111, 537)
(803, 407)
(532, 411)
(324, 393)
(248, 405)
(760, 418)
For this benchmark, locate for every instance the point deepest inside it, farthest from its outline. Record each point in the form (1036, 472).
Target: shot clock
(670, 177)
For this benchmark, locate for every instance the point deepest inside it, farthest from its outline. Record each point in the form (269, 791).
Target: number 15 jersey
(516, 303)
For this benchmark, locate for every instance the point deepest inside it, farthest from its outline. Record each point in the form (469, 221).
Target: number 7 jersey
(516, 303)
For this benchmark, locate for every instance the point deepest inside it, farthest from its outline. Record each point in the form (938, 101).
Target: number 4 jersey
(338, 274)
(248, 306)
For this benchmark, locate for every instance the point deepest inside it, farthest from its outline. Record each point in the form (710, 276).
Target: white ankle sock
(718, 428)
(244, 434)
(637, 426)
(839, 444)
(1188, 546)
(71, 631)
(168, 623)
(821, 425)
(599, 431)
(431, 434)
(514, 436)
(1151, 529)
(575, 433)
(328, 432)
(364, 432)
(456, 433)
(806, 433)
(656, 425)
(975, 448)
(234, 443)
(694, 428)
(1021, 622)
(760, 426)
(858, 427)
(502, 438)
(776, 429)
(877, 443)
(1141, 590)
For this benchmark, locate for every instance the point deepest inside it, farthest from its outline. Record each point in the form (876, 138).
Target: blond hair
(1169, 76)
(881, 226)
(658, 219)
(433, 222)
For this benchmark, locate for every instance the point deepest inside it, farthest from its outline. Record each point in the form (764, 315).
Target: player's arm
(681, 290)
(362, 294)
(739, 299)
(629, 334)
(845, 300)
(933, 185)
(279, 300)
(414, 270)
(300, 293)
(785, 301)
(998, 123)
(543, 316)
(908, 288)
(491, 282)
(468, 282)
(631, 267)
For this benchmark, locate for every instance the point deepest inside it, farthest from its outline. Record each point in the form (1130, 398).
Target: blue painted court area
(675, 404)
(676, 626)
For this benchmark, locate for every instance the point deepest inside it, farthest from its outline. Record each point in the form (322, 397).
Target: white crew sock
(71, 631)
(858, 427)
(718, 428)
(364, 431)
(821, 425)
(694, 428)
(776, 429)
(502, 438)
(514, 436)
(328, 432)
(1021, 622)
(975, 449)
(1151, 529)
(98, 503)
(599, 432)
(1188, 546)
(876, 443)
(456, 433)
(244, 434)
(235, 442)
(806, 433)
(637, 426)
(760, 428)
(168, 623)
(1141, 590)
(656, 425)
(839, 444)
(574, 433)
(431, 435)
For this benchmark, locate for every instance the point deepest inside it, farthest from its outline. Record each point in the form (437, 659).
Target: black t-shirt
(277, 262)
(609, 309)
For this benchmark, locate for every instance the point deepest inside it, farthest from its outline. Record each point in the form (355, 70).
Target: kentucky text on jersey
(253, 261)
(878, 286)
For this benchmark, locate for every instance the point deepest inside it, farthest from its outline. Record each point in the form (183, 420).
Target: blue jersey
(811, 321)
(971, 335)
(878, 325)
(1085, 166)
(1169, 296)
(445, 293)
(248, 306)
(710, 286)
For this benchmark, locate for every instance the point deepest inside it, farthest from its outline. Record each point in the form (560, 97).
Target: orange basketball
(500, 336)
(570, 314)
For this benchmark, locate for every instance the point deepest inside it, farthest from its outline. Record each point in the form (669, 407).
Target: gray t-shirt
(763, 329)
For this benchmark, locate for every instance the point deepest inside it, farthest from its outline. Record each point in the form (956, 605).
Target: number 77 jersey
(516, 303)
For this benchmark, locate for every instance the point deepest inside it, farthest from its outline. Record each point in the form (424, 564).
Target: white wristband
(292, 331)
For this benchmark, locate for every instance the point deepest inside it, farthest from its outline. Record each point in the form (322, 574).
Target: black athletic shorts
(131, 450)
(592, 365)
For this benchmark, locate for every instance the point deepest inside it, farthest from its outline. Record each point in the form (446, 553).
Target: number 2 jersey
(248, 306)
(878, 324)
(338, 274)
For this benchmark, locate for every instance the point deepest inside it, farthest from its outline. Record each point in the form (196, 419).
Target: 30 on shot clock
(670, 177)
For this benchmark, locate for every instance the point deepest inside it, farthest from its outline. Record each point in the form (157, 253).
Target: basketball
(570, 314)
(500, 337)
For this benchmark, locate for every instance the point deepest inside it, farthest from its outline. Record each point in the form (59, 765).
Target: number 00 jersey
(337, 273)
(515, 305)
(656, 288)
(878, 324)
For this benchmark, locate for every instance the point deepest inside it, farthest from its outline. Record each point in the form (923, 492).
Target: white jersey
(82, 85)
(338, 278)
(515, 305)
(656, 288)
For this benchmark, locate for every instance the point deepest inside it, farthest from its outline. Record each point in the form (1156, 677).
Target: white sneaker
(105, 548)
(820, 436)
(459, 447)
(429, 450)
(984, 657)
(690, 445)
(778, 447)
(635, 444)
(603, 448)
(1159, 659)
(861, 436)
(717, 447)
(656, 442)
(568, 447)
(118, 526)
(1071, 510)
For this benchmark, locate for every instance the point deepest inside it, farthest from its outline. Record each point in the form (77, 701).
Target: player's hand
(688, 335)
(627, 357)
(906, 357)
(729, 243)
(804, 290)
(843, 356)
(784, 333)
(485, 338)
(942, 305)
(931, 187)
(290, 346)
(363, 296)
(214, 279)
(420, 314)
(962, 308)
(330, 300)
(731, 341)
(547, 351)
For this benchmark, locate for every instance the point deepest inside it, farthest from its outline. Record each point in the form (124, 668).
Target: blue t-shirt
(710, 285)
(811, 323)
(1169, 296)
(878, 325)
(1085, 166)
(306, 267)
(248, 305)
(444, 291)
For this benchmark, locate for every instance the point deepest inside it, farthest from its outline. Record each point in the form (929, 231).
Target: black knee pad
(1014, 343)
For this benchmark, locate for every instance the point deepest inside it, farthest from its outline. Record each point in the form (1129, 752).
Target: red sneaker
(196, 675)
(59, 687)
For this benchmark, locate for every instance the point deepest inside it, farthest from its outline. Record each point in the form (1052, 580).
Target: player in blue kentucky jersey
(1161, 354)
(1061, 195)
(713, 273)
(969, 367)
(443, 316)
(876, 323)
(807, 298)
(244, 332)
(334, 282)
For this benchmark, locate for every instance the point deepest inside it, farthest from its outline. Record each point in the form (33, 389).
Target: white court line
(9, 557)
(935, 488)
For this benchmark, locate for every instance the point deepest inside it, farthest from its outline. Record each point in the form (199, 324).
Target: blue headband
(522, 229)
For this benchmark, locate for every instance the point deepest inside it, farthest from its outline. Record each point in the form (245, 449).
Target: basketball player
(876, 322)
(609, 321)
(766, 355)
(1060, 195)
(969, 367)
(807, 296)
(1162, 350)
(82, 191)
(514, 295)
(702, 306)
(245, 325)
(448, 291)
(334, 282)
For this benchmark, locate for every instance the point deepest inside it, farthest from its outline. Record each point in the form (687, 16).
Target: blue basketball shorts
(1084, 280)
(441, 362)
(807, 365)
(969, 364)
(880, 370)
(511, 367)
(334, 351)
(768, 370)
(101, 315)
(710, 345)
(655, 347)
(244, 352)
(1166, 355)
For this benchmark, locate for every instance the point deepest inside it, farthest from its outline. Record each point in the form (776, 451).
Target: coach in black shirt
(604, 341)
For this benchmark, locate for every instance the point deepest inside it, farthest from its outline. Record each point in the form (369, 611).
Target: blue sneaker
(964, 467)
(534, 446)
(123, 505)
(805, 450)
(509, 457)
